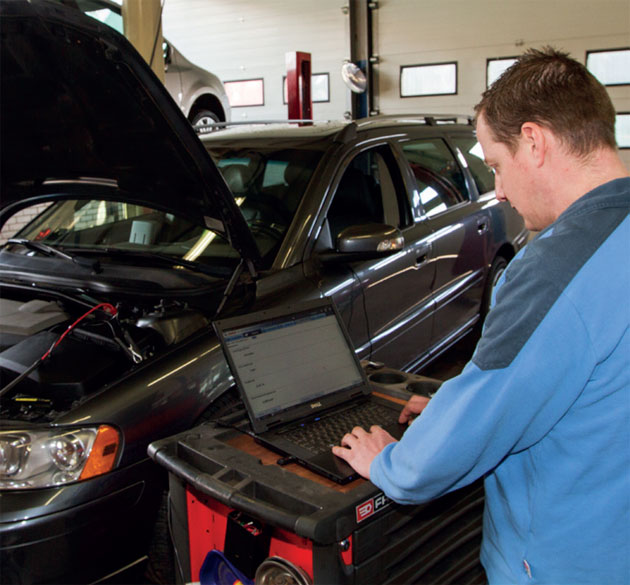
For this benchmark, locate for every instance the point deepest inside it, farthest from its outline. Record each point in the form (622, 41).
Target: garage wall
(247, 39)
(469, 32)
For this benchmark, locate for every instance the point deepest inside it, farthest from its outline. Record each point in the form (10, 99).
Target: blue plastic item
(217, 570)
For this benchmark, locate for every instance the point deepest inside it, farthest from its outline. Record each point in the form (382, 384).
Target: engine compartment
(56, 350)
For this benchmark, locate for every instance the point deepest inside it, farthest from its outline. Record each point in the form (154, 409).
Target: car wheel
(160, 568)
(499, 264)
(202, 118)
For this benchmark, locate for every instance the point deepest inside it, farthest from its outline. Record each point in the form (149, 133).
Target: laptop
(298, 374)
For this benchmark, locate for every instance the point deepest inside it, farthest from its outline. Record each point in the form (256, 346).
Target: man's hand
(415, 405)
(359, 447)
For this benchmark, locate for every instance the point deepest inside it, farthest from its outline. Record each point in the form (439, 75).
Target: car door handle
(420, 260)
(482, 227)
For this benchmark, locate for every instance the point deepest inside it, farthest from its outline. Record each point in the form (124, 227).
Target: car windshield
(113, 225)
(268, 185)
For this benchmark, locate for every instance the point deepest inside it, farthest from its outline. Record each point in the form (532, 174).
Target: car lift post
(299, 97)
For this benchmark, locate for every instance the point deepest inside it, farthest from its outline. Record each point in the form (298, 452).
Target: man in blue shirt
(542, 410)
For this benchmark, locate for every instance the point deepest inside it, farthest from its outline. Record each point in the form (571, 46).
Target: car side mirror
(372, 239)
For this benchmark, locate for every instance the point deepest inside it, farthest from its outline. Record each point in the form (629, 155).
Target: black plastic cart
(228, 493)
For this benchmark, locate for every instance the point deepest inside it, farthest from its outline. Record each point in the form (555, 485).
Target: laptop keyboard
(320, 435)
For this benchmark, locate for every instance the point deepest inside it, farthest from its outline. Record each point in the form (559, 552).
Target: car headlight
(43, 458)
(279, 571)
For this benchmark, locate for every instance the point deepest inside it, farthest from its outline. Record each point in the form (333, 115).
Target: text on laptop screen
(288, 361)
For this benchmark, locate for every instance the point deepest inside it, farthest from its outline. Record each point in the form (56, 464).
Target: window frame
(471, 180)
(418, 211)
(617, 114)
(389, 153)
(611, 50)
(428, 65)
(491, 59)
(315, 101)
(252, 105)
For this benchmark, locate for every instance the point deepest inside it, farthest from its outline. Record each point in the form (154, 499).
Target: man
(542, 411)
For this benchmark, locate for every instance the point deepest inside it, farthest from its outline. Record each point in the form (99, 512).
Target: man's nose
(498, 189)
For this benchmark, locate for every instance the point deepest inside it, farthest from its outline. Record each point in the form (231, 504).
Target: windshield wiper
(170, 260)
(47, 250)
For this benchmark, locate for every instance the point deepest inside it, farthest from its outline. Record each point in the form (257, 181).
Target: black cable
(365, 311)
(21, 377)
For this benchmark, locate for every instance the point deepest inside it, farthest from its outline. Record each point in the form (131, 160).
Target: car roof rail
(434, 119)
(208, 128)
(429, 119)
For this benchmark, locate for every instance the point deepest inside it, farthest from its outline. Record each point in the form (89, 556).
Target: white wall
(244, 39)
(471, 31)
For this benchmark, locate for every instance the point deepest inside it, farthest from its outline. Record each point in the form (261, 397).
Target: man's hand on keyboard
(359, 447)
(413, 408)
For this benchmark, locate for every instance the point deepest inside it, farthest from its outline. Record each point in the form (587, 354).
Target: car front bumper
(77, 533)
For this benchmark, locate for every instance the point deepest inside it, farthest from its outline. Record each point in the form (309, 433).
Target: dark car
(393, 217)
(136, 244)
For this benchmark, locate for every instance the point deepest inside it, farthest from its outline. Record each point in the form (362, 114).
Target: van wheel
(202, 118)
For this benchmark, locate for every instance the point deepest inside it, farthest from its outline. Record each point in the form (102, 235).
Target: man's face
(515, 176)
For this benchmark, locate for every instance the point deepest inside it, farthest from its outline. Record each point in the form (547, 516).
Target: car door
(458, 225)
(395, 288)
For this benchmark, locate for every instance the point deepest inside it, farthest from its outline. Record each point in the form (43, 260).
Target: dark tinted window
(472, 153)
(268, 185)
(370, 191)
(441, 182)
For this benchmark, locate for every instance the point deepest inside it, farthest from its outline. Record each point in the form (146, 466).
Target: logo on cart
(371, 506)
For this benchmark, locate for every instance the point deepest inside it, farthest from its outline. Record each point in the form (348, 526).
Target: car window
(268, 185)
(102, 12)
(370, 191)
(434, 194)
(473, 155)
(441, 182)
(114, 225)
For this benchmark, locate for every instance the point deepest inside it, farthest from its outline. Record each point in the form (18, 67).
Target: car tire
(203, 117)
(162, 562)
(497, 268)
(160, 568)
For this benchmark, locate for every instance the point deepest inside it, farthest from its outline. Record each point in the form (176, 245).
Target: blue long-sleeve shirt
(543, 408)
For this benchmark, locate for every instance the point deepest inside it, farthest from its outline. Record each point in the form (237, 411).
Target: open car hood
(79, 105)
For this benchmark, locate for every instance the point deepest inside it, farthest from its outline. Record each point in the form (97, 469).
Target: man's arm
(479, 417)
(359, 447)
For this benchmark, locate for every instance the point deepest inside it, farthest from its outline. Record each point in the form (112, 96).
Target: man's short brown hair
(550, 88)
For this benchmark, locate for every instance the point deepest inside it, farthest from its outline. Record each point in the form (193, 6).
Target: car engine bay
(56, 350)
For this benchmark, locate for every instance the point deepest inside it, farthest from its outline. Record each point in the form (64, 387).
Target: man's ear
(534, 138)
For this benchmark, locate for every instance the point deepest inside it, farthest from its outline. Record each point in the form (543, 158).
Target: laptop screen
(292, 359)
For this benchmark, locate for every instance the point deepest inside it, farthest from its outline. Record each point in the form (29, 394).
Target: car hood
(80, 106)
